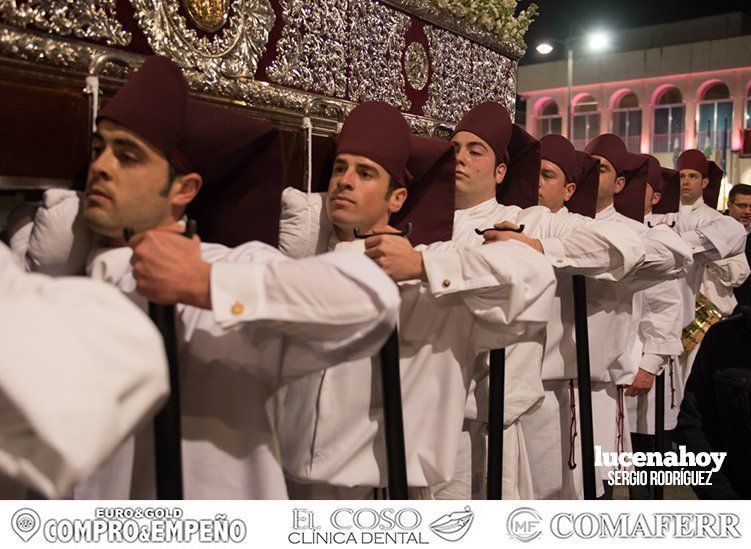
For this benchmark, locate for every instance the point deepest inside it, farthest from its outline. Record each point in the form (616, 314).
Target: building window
(715, 120)
(586, 121)
(627, 121)
(549, 119)
(670, 112)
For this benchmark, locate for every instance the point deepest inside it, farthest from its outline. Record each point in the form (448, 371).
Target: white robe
(474, 300)
(721, 276)
(712, 238)
(342, 307)
(233, 359)
(573, 245)
(80, 368)
(632, 259)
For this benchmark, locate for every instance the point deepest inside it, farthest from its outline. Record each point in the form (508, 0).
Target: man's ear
(185, 188)
(620, 182)
(570, 188)
(704, 183)
(500, 173)
(397, 199)
(656, 198)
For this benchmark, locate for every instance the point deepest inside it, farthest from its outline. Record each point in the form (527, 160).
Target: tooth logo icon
(25, 523)
(454, 526)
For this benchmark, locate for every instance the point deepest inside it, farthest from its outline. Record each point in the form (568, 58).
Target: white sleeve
(507, 287)
(730, 272)
(19, 226)
(661, 324)
(322, 310)
(654, 364)
(712, 239)
(60, 240)
(81, 367)
(667, 254)
(603, 249)
(720, 277)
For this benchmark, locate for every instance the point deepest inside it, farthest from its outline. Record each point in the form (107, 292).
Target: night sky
(557, 16)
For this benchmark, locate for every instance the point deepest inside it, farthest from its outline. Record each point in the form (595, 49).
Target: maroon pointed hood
(511, 144)
(378, 131)
(694, 159)
(153, 104)
(666, 182)
(634, 167)
(430, 199)
(239, 158)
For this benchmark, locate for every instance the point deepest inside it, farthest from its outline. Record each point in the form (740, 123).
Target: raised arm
(81, 367)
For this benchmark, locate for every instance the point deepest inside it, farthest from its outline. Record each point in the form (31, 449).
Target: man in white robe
(700, 181)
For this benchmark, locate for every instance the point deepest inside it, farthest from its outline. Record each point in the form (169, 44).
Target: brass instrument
(707, 314)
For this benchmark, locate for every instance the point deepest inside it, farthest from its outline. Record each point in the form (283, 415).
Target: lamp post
(580, 312)
(596, 41)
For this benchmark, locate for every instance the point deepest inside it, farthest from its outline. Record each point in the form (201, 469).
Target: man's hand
(502, 236)
(641, 385)
(396, 256)
(169, 269)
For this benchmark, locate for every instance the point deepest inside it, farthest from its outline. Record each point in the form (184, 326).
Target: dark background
(559, 18)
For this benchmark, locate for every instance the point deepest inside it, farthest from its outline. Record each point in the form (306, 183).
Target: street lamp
(596, 41)
(544, 48)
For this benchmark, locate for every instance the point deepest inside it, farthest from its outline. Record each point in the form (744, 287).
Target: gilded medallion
(207, 15)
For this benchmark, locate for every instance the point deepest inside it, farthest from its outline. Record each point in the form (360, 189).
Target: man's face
(476, 172)
(740, 209)
(358, 194)
(553, 189)
(127, 183)
(692, 185)
(651, 199)
(610, 183)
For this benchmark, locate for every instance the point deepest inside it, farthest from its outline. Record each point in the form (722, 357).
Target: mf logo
(524, 524)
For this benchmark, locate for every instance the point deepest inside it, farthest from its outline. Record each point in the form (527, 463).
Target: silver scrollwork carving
(234, 53)
(430, 11)
(85, 20)
(465, 74)
(312, 51)
(376, 47)
(342, 49)
(416, 65)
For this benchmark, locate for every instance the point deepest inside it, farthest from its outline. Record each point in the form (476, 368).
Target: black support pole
(167, 431)
(495, 424)
(585, 387)
(393, 419)
(659, 425)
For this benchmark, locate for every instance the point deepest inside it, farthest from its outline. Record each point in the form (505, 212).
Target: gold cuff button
(446, 283)
(237, 308)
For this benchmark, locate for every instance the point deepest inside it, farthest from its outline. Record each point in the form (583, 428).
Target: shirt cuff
(695, 239)
(444, 271)
(553, 249)
(237, 293)
(654, 364)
